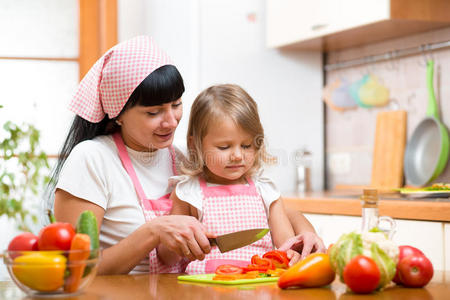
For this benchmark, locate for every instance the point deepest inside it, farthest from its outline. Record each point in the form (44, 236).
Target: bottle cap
(369, 197)
(370, 192)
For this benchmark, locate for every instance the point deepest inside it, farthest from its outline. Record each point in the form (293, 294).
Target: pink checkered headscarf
(110, 82)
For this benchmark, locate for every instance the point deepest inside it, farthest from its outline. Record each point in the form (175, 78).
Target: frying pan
(427, 150)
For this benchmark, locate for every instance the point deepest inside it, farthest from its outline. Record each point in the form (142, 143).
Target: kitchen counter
(348, 203)
(166, 286)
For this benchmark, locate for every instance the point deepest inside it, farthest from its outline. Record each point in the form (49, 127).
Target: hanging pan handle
(432, 110)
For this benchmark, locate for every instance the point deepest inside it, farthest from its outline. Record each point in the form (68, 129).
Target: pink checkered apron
(227, 209)
(151, 208)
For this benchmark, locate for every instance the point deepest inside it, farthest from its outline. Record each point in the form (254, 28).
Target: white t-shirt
(93, 171)
(188, 190)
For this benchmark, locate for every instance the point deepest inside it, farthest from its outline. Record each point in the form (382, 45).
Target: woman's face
(148, 128)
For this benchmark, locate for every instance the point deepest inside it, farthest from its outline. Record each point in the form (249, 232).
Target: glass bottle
(370, 217)
(303, 159)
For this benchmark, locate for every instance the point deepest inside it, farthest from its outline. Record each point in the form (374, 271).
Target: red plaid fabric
(228, 209)
(110, 82)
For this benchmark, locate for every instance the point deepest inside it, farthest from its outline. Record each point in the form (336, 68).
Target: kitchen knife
(234, 240)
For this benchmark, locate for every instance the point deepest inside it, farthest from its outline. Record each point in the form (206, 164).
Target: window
(46, 47)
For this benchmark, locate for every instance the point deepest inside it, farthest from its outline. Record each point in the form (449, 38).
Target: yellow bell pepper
(41, 270)
(313, 271)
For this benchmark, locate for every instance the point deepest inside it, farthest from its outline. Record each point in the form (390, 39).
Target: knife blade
(238, 239)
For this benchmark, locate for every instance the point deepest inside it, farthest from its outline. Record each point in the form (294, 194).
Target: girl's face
(148, 128)
(228, 152)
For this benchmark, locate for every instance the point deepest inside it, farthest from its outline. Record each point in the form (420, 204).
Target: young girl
(222, 186)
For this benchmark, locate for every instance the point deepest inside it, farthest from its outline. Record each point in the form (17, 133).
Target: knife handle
(212, 241)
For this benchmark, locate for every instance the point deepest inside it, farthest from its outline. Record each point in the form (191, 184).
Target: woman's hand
(294, 257)
(184, 235)
(304, 243)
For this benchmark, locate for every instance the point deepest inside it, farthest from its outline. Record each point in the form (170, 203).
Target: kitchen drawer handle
(318, 26)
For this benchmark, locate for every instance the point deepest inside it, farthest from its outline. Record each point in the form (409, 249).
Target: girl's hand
(304, 243)
(184, 235)
(294, 257)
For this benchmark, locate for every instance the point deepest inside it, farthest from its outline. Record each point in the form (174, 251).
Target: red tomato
(56, 236)
(228, 270)
(278, 258)
(415, 270)
(405, 251)
(24, 242)
(361, 274)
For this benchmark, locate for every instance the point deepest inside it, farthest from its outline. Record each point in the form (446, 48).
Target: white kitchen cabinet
(447, 245)
(331, 227)
(331, 24)
(427, 236)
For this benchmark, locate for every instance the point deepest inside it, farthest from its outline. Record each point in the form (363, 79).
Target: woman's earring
(118, 123)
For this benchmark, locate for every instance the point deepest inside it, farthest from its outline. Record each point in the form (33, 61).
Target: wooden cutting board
(389, 149)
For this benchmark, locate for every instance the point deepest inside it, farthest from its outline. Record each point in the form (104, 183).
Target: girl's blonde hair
(210, 106)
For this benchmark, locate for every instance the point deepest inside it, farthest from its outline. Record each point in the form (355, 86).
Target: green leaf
(348, 246)
(20, 145)
(385, 264)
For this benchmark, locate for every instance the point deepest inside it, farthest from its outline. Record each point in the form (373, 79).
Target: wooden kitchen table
(166, 286)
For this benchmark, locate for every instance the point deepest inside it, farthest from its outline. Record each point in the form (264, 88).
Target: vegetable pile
(272, 263)
(373, 245)
(369, 261)
(45, 266)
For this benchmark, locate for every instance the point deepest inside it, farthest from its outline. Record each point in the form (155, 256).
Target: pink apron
(227, 209)
(151, 208)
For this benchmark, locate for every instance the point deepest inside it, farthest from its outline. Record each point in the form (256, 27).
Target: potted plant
(24, 170)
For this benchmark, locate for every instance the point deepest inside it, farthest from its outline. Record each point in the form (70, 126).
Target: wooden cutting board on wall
(389, 149)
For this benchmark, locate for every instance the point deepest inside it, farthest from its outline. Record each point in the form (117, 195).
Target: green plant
(23, 172)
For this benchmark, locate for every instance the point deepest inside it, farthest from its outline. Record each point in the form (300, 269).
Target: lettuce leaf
(348, 246)
(385, 264)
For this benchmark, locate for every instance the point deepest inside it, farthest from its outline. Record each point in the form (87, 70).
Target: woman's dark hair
(163, 85)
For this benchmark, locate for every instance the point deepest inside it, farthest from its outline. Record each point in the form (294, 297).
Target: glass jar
(370, 217)
(303, 160)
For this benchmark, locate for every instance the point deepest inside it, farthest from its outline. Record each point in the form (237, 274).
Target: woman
(118, 157)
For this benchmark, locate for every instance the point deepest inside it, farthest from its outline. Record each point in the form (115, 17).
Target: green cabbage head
(372, 244)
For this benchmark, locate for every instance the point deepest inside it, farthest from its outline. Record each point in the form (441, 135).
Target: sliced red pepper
(253, 267)
(263, 262)
(227, 277)
(278, 258)
(229, 270)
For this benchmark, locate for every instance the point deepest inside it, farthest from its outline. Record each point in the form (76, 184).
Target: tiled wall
(350, 134)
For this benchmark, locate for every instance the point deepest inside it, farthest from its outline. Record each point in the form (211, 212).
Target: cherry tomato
(278, 258)
(415, 270)
(228, 270)
(361, 274)
(405, 251)
(56, 236)
(24, 242)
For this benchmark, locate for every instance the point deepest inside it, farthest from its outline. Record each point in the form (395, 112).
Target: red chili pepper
(278, 258)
